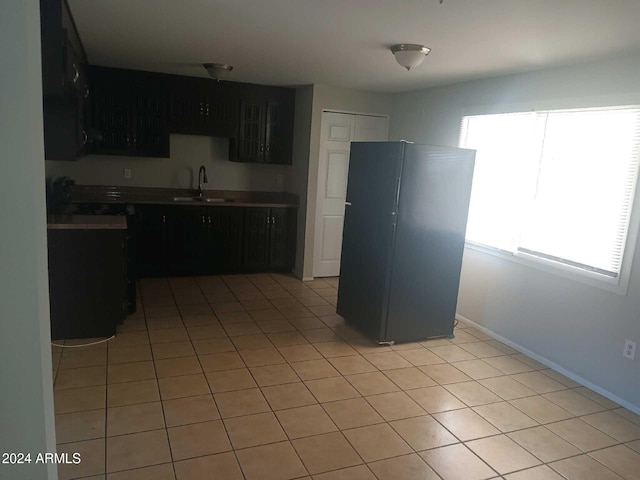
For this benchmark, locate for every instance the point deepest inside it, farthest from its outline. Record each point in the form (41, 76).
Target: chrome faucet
(202, 178)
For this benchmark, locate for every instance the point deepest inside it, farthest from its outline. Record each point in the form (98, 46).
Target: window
(555, 185)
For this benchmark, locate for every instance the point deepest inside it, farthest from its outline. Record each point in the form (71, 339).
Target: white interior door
(338, 130)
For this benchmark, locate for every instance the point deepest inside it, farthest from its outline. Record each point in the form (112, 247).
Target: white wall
(579, 327)
(26, 401)
(187, 153)
(339, 99)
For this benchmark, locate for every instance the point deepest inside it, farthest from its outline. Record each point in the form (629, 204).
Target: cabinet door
(265, 127)
(151, 240)
(63, 132)
(202, 107)
(220, 112)
(224, 242)
(112, 112)
(250, 143)
(279, 257)
(151, 135)
(129, 113)
(184, 105)
(87, 282)
(186, 231)
(256, 238)
(278, 133)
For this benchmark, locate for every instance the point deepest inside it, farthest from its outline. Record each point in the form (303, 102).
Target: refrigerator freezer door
(367, 242)
(429, 243)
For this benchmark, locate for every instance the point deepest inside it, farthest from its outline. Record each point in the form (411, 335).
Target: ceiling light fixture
(217, 71)
(409, 55)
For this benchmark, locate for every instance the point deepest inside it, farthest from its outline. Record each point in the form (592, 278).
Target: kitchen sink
(200, 199)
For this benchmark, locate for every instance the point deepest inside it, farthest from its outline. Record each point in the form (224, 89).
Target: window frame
(618, 284)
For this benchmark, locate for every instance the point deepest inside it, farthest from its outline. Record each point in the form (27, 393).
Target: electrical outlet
(279, 180)
(127, 174)
(629, 349)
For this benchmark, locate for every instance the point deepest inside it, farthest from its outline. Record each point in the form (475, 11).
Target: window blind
(555, 184)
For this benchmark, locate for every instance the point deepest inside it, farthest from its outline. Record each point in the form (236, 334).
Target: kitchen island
(87, 275)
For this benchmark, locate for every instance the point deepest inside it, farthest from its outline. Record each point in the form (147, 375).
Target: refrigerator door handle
(397, 191)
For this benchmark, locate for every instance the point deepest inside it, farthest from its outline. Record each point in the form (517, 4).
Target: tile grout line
(274, 415)
(164, 419)
(361, 354)
(213, 398)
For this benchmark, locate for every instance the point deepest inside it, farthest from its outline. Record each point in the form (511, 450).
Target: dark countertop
(164, 196)
(86, 222)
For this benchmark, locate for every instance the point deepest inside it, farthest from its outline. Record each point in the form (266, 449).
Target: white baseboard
(307, 279)
(552, 365)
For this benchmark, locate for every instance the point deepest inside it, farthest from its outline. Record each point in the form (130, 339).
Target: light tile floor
(256, 377)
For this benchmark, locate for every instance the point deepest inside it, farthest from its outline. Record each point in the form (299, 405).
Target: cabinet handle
(85, 137)
(268, 148)
(76, 75)
(268, 220)
(209, 220)
(207, 110)
(164, 219)
(201, 108)
(261, 148)
(128, 140)
(86, 93)
(203, 220)
(273, 221)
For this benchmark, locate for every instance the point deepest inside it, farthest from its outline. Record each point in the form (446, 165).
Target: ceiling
(346, 42)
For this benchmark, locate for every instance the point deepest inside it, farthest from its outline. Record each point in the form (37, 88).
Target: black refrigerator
(404, 227)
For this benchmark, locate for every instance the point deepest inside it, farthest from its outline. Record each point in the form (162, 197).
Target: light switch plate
(127, 174)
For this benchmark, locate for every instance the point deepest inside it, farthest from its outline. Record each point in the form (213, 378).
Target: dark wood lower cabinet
(281, 239)
(224, 239)
(256, 238)
(200, 240)
(186, 240)
(150, 231)
(87, 282)
(267, 239)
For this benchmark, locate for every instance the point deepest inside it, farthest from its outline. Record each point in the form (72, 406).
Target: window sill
(614, 285)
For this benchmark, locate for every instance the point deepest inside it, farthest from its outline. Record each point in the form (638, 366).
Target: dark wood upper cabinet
(200, 106)
(112, 111)
(64, 83)
(129, 113)
(64, 60)
(265, 130)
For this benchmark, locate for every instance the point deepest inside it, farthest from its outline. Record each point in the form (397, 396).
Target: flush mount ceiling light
(217, 71)
(409, 55)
